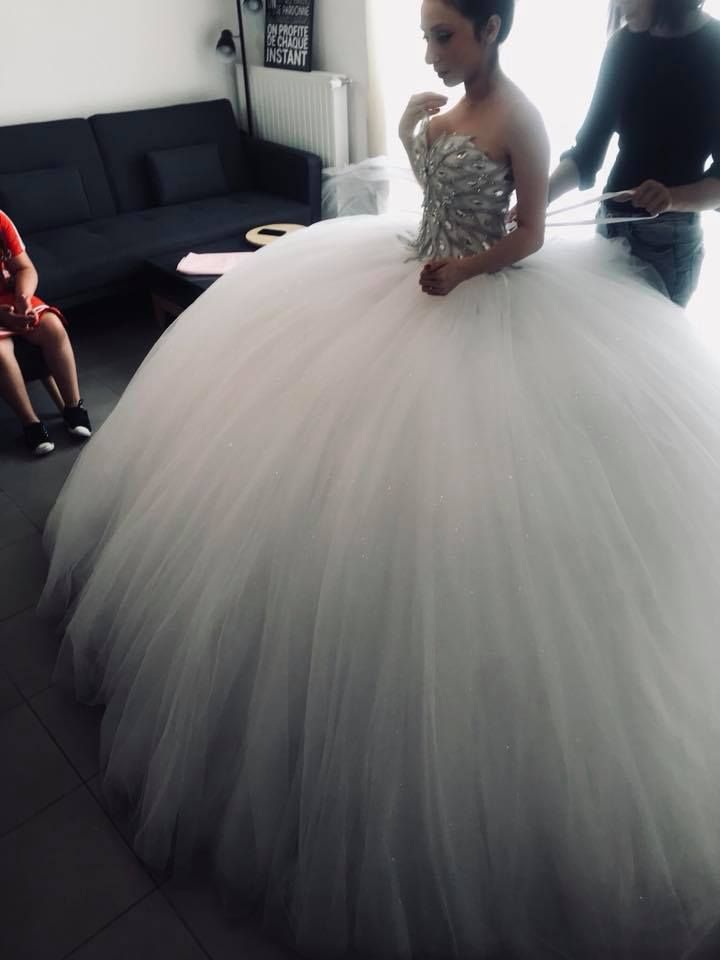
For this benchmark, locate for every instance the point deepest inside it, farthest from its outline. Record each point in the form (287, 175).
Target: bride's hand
(420, 105)
(439, 277)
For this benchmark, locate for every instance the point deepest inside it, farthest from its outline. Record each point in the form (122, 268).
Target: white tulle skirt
(407, 609)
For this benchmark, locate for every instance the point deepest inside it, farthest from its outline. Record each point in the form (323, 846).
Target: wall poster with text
(289, 34)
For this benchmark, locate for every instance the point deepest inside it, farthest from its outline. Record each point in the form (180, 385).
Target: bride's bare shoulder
(518, 107)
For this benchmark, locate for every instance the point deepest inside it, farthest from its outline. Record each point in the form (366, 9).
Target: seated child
(22, 314)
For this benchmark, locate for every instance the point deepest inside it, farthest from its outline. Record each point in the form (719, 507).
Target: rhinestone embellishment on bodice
(467, 195)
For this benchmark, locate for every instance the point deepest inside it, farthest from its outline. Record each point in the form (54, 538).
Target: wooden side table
(269, 232)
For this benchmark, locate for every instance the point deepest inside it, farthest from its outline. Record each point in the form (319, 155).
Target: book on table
(210, 264)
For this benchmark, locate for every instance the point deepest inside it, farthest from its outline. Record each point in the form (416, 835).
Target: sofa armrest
(295, 174)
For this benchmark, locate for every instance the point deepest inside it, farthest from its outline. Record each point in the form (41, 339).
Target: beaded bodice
(466, 196)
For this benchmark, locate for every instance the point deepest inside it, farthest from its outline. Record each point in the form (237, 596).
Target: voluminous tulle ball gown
(407, 609)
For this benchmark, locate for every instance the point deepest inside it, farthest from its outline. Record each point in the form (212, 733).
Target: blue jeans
(672, 244)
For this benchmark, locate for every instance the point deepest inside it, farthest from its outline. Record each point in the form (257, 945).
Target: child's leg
(12, 385)
(54, 393)
(50, 335)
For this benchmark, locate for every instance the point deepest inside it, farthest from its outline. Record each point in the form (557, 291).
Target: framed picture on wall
(289, 34)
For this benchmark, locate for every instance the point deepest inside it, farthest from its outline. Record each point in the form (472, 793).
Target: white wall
(339, 44)
(73, 58)
(64, 58)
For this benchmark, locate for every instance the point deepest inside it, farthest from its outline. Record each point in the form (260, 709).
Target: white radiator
(304, 110)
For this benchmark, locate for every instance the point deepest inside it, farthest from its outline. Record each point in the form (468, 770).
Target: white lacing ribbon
(550, 222)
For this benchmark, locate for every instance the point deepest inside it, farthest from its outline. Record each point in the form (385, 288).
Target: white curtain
(553, 53)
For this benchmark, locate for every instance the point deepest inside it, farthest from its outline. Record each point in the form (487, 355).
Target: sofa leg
(55, 395)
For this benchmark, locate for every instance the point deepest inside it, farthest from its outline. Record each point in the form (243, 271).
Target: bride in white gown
(406, 606)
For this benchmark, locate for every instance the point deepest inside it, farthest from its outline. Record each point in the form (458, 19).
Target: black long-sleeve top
(662, 96)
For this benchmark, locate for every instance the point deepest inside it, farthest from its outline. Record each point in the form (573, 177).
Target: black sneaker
(37, 439)
(77, 421)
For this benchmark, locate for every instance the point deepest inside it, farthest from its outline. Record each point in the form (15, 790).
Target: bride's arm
(530, 156)
(420, 107)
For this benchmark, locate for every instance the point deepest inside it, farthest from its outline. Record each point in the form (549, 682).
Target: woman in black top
(659, 89)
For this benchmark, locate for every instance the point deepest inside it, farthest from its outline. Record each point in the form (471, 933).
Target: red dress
(11, 245)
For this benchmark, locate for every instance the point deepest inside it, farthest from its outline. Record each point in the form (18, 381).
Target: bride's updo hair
(480, 11)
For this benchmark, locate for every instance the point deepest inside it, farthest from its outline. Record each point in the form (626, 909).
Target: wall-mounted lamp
(225, 48)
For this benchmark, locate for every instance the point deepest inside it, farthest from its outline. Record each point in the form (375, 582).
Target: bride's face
(453, 50)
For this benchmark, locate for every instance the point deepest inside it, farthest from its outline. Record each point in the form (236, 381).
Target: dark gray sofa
(93, 198)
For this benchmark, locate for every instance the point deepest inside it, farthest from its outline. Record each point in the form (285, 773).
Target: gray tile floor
(70, 886)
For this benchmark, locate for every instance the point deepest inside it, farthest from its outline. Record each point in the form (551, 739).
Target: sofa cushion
(187, 173)
(43, 199)
(179, 226)
(89, 256)
(125, 139)
(54, 143)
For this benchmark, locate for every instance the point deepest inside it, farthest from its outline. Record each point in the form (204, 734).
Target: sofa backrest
(28, 148)
(125, 140)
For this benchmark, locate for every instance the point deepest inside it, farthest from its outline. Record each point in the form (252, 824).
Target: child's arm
(25, 281)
